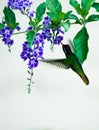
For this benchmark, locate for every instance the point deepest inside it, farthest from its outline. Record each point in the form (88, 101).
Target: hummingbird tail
(84, 78)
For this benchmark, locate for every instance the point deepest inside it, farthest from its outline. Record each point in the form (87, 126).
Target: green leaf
(1, 26)
(76, 5)
(61, 16)
(10, 18)
(56, 17)
(96, 6)
(66, 16)
(74, 17)
(32, 23)
(66, 25)
(53, 16)
(86, 4)
(40, 11)
(81, 44)
(54, 6)
(30, 37)
(92, 18)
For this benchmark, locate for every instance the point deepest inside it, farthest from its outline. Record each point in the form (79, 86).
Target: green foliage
(54, 7)
(74, 17)
(93, 18)
(30, 37)
(76, 5)
(1, 26)
(80, 42)
(81, 39)
(86, 4)
(40, 11)
(33, 23)
(67, 15)
(83, 8)
(58, 17)
(61, 16)
(96, 6)
(66, 25)
(10, 18)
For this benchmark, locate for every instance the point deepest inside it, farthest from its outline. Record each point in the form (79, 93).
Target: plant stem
(30, 81)
(17, 33)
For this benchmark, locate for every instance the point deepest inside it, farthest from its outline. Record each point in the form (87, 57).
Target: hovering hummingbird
(71, 61)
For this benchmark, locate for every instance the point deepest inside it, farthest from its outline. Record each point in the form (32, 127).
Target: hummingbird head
(66, 49)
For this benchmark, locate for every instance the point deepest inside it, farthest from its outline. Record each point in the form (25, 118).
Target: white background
(59, 100)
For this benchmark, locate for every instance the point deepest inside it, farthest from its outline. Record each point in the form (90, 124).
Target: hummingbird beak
(62, 44)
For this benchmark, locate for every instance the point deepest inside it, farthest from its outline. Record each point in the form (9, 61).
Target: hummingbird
(71, 61)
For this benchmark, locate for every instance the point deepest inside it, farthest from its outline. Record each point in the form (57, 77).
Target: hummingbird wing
(56, 62)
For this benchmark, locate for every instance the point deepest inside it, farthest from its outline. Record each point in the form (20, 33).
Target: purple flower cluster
(39, 39)
(22, 5)
(48, 32)
(58, 40)
(46, 28)
(34, 52)
(47, 21)
(19, 4)
(6, 34)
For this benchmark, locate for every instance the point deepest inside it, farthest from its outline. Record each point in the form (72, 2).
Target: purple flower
(39, 39)
(31, 54)
(47, 21)
(6, 34)
(47, 33)
(33, 63)
(46, 30)
(29, 28)
(38, 51)
(19, 4)
(30, 14)
(58, 40)
(3, 21)
(59, 30)
(18, 28)
(51, 34)
(8, 41)
(27, 51)
(22, 5)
